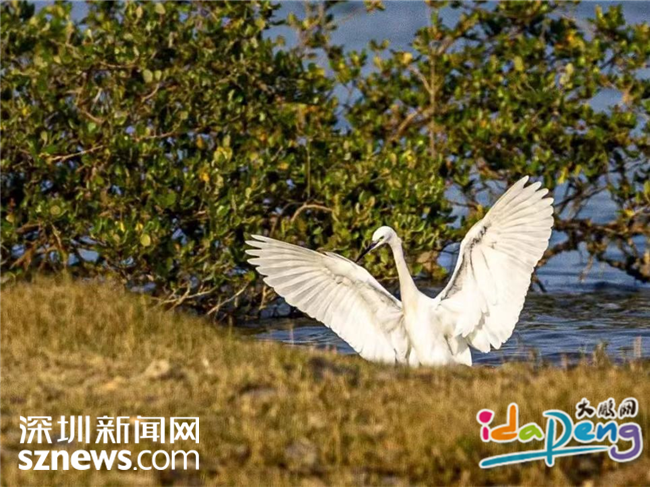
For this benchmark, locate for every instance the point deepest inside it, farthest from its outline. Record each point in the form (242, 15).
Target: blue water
(560, 327)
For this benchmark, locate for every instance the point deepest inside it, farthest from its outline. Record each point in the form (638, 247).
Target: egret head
(382, 236)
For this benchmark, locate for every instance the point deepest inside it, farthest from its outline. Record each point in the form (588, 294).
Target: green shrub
(147, 140)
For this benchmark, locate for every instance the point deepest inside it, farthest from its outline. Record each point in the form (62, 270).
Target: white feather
(512, 239)
(337, 292)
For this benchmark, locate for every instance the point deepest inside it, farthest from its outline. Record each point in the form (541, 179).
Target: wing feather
(486, 292)
(336, 292)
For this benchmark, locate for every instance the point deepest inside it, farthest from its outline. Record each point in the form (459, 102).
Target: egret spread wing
(486, 292)
(336, 292)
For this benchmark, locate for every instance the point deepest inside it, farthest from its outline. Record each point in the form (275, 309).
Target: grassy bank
(273, 414)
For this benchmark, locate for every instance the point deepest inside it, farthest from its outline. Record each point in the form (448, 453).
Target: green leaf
(280, 136)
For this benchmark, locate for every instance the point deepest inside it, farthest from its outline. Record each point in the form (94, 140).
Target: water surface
(557, 327)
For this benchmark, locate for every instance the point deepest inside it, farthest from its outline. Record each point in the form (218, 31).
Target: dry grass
(272, 414)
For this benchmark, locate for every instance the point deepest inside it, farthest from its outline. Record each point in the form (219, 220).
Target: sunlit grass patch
(275, 414)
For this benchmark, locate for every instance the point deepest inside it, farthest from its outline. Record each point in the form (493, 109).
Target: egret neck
(407, 287)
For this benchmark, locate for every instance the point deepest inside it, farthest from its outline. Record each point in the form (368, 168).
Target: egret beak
(366, 250)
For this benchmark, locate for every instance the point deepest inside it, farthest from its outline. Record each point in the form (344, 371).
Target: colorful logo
(561, 429)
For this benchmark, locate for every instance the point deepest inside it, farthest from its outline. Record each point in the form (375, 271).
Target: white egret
(479, 307)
